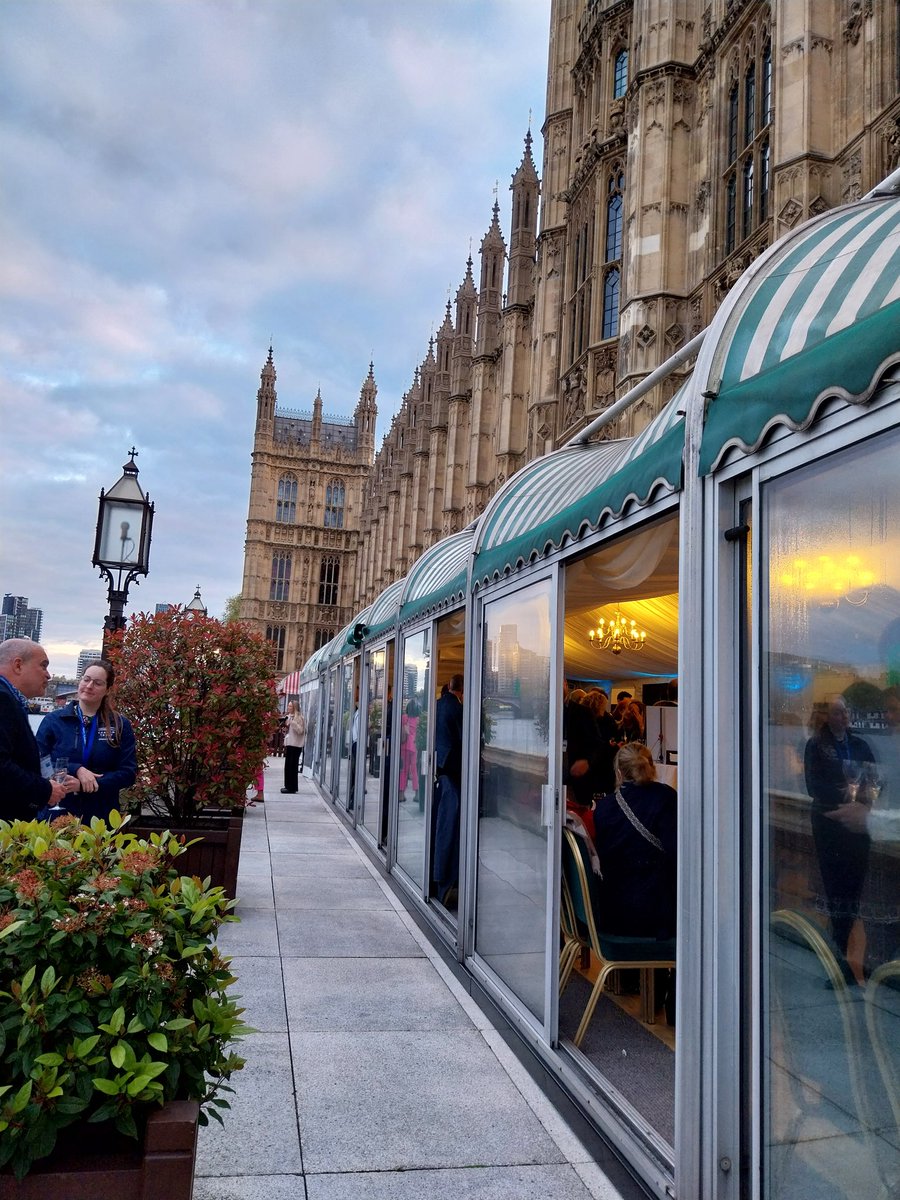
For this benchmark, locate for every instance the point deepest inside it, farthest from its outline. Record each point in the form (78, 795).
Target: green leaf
(117, 1056)
(11, 928)
(48, 981)
(108, 1087)
(158, 1041)
(49, 1060)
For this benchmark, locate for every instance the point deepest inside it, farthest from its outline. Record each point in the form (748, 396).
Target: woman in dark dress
(636, 839)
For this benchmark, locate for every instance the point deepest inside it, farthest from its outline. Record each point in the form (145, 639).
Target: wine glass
(60, 770)
(852, 778)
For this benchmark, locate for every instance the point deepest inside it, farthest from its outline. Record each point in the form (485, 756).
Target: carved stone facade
(680, 140)
(300, 557)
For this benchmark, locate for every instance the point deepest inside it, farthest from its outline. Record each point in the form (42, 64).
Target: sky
(185, 182)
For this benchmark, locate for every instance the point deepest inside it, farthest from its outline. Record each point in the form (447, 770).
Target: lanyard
(87, 740)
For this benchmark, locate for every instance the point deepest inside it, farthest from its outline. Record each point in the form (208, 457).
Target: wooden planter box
(218, 852)
(92, 1163)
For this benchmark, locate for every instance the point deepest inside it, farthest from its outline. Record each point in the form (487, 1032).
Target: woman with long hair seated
(636, 838)
(97, 743)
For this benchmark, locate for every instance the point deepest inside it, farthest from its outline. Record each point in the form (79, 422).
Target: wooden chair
(612, 951)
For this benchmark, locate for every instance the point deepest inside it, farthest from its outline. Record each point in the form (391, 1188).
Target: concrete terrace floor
(373, 1074)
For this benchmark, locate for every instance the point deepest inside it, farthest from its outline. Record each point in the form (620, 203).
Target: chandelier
(617, 634)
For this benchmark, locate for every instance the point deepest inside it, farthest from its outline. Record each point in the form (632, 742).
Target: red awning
(290, 685)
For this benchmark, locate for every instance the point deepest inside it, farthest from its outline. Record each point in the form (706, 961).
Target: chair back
(578, 875)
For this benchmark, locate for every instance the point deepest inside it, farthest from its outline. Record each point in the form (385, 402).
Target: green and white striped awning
(383, 613)
(314, 663)
(819, 316)
(567, 494)
(438, 579)
(338, 646)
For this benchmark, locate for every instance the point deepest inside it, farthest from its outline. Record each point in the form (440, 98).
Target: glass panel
(310, 701)
(329, 733)
(831, 768)
(414, 756)
(511, 918)
(376, 759)
(347, 760)
(619, 888)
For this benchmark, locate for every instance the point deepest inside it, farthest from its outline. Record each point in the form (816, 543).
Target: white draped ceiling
(639, 576)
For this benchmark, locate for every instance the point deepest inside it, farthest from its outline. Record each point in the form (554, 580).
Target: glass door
(327, 778)
(412, 751)
(830, 827)
(347, 760)
(514, 848)
(374, 746)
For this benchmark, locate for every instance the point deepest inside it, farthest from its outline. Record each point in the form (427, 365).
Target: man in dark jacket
(23, 790)
(448, 729)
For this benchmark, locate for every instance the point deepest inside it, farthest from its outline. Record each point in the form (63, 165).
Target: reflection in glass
(831, 827)
(413, 753)
(375, 741)
(329, 733)
(347, 759)
(511, 921)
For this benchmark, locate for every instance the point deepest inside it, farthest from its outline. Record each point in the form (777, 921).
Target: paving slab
(255, 934)
(260, 987)
(250, 1187)
(325, 892)
(254, 891)
(260, 1132)
(339, 864)
(359, 994)
(408, 1101)
(254, 862)
(348, 933)
(471, 1183)
(319, 839)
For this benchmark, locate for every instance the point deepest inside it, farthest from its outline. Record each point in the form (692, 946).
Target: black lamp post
(122, 544)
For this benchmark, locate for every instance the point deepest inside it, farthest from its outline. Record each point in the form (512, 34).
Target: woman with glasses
(97, 743)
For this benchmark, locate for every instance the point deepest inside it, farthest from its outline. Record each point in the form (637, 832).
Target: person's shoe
(289, 791)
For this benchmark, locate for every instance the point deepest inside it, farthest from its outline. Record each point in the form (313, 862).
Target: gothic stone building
(681, 138)
(306, 484)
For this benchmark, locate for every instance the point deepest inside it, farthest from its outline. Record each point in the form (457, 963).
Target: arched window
(611, 303)
(286, 505)
(334, 505)
(746, 174)
(620, 74)
(280, 585)
(275, 635)
(329, 580)
(612, 272)
(323, 637)
(614, 217)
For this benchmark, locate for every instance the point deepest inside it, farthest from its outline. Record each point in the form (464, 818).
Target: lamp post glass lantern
(122, 542)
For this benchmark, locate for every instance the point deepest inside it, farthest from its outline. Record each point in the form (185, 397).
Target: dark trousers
(291, 766)
(445, 835)
(843, 861)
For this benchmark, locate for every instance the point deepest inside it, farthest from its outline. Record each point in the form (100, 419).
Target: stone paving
(373, 1074)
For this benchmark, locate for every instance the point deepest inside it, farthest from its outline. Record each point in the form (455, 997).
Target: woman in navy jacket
(97, 741)
(636, 837)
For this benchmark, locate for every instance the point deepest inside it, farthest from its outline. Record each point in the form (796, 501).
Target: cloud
(183, 182)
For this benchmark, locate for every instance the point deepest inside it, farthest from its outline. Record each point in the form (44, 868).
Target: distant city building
(20, 621)
(164, 608)
(85, 658)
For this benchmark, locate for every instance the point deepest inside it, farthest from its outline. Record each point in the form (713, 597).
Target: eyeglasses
(85, 682)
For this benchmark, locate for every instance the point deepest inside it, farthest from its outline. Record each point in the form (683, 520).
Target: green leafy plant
(201, 697)
(113, 994)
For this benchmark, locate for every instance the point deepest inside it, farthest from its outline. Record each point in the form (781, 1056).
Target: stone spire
(493, 258)
(526, 189)
(266, 397)
(365, 415)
